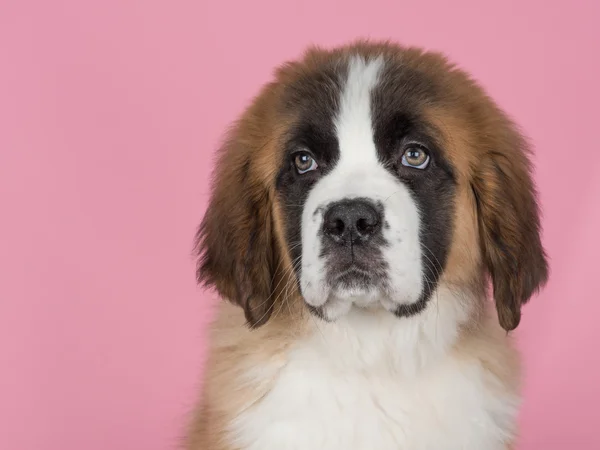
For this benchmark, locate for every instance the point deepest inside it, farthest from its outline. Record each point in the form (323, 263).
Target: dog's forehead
(312, 90)
(314, 84)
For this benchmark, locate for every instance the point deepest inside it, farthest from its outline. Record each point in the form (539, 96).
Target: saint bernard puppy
(360, 207)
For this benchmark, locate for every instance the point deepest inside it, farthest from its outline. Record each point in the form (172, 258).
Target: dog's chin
(361, 296)
(343, 297)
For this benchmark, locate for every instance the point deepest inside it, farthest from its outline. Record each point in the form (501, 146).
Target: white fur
(372, 381)
(359, 173)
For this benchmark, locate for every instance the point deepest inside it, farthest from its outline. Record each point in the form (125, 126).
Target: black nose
(351, 221)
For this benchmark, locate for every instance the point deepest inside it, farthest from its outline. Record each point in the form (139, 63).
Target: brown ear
(509, 220)
(237, 249)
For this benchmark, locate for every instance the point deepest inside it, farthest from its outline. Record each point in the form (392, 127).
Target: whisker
(285, 276)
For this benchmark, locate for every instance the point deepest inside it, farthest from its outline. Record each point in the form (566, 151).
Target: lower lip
(354, 274)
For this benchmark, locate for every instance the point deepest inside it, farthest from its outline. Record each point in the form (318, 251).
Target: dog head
(369, 176)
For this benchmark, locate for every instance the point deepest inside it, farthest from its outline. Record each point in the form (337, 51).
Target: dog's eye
(415, 157)
(304, 162)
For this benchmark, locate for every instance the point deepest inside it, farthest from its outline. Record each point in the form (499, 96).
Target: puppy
(359, 208)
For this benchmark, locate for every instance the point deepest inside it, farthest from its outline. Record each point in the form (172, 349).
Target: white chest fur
(374, 382)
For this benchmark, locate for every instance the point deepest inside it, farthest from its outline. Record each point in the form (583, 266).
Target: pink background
(109, 114)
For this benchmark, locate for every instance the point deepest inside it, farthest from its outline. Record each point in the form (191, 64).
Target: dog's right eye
(304, 163)
(416, 157)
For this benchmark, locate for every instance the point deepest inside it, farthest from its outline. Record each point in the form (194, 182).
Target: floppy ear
(237, 249)
(509, 223)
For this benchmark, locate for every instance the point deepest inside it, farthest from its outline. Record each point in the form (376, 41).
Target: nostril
(338, 227)
(363, 226)
(335, 226)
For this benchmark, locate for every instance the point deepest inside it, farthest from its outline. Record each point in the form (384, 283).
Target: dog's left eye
(304, 162)
(415, 157)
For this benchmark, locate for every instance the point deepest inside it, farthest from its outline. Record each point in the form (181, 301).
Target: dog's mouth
(354, 280)
(352, 275)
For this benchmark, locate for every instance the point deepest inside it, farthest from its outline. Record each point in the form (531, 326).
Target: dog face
(368, 177)
(371, 193)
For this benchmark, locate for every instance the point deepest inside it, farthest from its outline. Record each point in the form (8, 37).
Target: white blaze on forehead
(354, 125)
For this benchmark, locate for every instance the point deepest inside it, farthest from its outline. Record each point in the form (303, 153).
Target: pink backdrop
(109, 113)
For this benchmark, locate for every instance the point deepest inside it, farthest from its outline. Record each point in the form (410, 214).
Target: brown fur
(239, 238)
(242, 244)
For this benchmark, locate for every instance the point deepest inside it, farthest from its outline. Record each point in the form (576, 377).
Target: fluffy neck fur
(375, 340)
